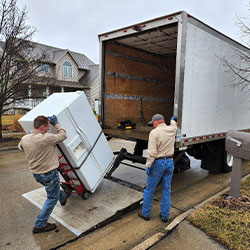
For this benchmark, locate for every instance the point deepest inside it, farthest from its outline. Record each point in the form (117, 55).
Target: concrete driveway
(18, 214)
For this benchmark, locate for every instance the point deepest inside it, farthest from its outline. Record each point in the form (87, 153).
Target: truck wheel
(214, 158)
(228, 163)
(196, 151)
(182, 164)
(185, 161)
(85, 195)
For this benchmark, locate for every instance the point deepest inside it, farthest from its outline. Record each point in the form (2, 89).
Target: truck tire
(213, 156)
(228, 163)
(182, 164)
(196, 151)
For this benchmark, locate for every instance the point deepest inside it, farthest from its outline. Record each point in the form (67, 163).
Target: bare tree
(18, 61)
(241, 69)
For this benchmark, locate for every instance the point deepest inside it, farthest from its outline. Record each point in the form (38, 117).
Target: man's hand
(53, 120)
(174, 118)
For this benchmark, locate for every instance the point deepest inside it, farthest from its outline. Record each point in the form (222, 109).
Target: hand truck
(71, 179)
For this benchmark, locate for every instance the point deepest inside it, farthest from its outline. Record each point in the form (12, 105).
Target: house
(67, 71)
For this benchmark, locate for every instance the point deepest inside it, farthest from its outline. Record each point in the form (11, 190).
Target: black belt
(164, 158)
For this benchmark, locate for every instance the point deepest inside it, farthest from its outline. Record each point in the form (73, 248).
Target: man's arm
(58, 137)
(173, 125)
(152, 150)
(61, 133)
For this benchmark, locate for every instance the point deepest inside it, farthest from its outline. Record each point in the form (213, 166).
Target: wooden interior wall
(151, 78)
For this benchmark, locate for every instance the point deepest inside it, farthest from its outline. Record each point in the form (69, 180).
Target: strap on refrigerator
(81, 133)
(90, 151)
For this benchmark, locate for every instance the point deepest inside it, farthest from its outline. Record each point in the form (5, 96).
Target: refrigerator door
(86, 147)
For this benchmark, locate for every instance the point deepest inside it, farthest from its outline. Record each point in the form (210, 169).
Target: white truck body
(212, 104)
(205, 96)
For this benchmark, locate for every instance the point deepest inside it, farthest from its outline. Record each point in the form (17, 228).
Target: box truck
(173, 65)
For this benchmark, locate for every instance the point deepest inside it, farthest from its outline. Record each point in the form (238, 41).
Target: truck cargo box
(173, 65)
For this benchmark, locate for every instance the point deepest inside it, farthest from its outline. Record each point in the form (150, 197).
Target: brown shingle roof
(54, 54)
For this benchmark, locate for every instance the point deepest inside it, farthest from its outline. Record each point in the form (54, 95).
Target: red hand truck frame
(71, 179)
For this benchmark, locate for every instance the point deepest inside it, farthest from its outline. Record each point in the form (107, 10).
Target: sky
(75, 24)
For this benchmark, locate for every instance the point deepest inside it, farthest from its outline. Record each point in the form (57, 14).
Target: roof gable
(55, 54)
(61, 55)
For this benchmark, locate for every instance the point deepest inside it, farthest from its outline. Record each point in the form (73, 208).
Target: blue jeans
(160, 170)
(51, 182)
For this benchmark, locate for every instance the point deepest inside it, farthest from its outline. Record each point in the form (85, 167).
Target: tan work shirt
(161, 142)
(41, 151)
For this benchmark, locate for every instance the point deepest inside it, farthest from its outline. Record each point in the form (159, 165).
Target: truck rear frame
(173, 65)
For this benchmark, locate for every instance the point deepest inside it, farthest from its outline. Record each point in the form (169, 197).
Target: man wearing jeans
(41, 153)
(160, 165)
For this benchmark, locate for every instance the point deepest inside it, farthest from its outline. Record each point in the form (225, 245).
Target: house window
(67, 70)
(44, 68)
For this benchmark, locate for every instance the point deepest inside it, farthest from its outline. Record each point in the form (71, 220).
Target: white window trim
(67, 70)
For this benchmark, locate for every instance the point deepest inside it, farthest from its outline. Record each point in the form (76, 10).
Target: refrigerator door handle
(79, 130)
(89, 152)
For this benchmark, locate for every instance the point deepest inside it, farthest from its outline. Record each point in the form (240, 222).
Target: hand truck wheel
(85, 195)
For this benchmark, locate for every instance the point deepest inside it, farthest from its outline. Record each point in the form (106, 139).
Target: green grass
(226, 220)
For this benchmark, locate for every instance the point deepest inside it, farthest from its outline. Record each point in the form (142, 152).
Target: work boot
(163, 220)
(68, 193)
(142, 216)
(47, 228)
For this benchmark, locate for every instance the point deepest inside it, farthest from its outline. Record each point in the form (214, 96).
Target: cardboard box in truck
(174, 65)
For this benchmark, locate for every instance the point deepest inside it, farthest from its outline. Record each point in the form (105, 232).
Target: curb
(160, 235)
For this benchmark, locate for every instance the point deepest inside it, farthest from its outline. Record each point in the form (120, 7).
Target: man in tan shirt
(159, 165)
(41, 152)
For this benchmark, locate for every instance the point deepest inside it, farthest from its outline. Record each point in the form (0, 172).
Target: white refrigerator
(86, 147)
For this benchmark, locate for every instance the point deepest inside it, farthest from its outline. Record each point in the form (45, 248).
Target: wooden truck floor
(140, 132)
